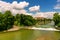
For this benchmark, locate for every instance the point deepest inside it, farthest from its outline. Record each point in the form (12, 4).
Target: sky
(45, 5)
(32, 7)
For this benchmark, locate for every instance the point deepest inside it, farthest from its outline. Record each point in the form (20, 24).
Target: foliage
(6, 21)
(17, 20)
(56, 19)
(26, 20)
(42, 21)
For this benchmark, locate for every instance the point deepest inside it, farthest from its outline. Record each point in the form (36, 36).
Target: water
(25, 34)
(30, 35)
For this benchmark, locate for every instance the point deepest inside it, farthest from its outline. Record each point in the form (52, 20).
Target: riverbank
(16, 28)
(46, 29)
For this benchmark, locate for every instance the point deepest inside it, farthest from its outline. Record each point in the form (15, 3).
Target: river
(25, 34)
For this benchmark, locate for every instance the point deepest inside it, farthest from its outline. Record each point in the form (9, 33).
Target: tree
(1, 21)
(27, 20)
(56, 18)
(6, 21)
(17, 20)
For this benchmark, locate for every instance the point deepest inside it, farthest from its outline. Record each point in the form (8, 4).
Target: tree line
(7, 20)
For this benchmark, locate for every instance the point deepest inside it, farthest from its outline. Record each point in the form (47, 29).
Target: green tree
(17, 20)
(27, 20)
(1, 21)
(6, 21)
(56, 18)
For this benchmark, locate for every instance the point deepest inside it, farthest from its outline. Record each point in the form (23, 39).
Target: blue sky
(45, 5)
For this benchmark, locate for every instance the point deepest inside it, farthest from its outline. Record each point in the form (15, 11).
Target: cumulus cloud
(14, 11)
(4, 6)
(14, 7)
(44, 14)
(20, 5)
(34, 8)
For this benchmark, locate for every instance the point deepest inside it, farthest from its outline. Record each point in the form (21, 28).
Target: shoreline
(16, 28)
(45, 29)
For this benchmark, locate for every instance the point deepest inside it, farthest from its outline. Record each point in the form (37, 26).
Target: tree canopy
(7, 20)
(56, 19)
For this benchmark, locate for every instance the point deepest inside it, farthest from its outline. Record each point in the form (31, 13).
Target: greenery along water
(30, 35)
(49, 25)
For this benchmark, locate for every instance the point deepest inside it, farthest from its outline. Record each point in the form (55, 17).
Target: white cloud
(20, 5)
(18, 11)
(23, 11)
(34, 8)
(29, 14)
(44, 14)
(13, 7)
(4, 6)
